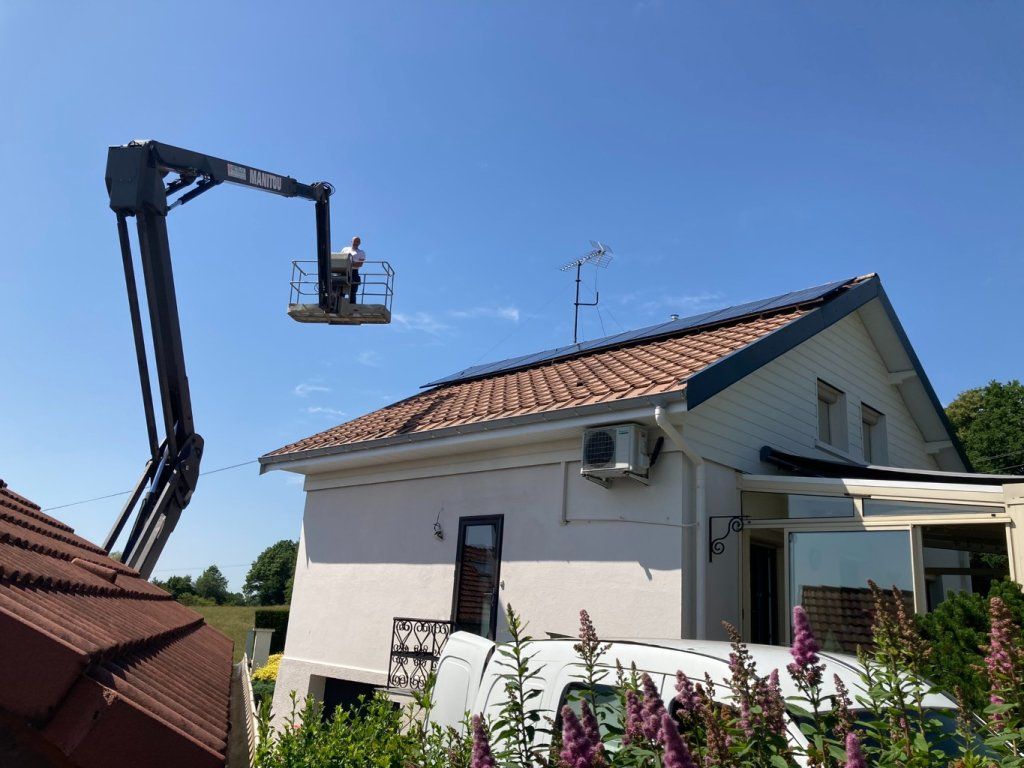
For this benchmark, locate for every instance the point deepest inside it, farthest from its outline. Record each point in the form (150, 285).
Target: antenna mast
(600, 256)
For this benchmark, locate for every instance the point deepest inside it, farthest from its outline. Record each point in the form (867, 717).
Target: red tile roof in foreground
(604, 376)
(99, 666)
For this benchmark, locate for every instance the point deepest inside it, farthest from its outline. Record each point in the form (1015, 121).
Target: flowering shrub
(269, 670)
(737, 722)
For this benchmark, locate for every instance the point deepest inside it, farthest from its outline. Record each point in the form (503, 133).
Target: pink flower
(634, 718)
(999, 659)
(579, 750)
(677, 755)
(854, 754)
(482, 757)
(806, 665)
(686, 695)
(768, 697)
(590, 727)
(653, 708)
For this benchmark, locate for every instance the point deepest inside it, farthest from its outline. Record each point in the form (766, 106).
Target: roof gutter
(700, 515)
(534, 427)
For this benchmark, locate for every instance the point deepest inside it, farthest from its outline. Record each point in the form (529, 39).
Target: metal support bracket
(716, 545)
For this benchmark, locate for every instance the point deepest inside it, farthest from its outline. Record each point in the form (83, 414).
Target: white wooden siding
(777, 404)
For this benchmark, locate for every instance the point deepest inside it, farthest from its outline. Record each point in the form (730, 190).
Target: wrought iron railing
(416, 644)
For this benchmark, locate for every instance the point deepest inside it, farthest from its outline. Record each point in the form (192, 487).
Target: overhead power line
(125, 493)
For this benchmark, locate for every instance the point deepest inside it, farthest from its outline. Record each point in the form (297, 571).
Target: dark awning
(811, 467)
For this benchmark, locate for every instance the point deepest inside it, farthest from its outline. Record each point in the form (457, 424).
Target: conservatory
(817, 541)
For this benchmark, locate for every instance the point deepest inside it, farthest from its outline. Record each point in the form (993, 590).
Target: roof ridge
(691, 325)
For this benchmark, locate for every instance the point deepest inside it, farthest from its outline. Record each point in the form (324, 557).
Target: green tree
(989, 421)
(956, 630)
(177, 585)
(212, 585)
(268, 577)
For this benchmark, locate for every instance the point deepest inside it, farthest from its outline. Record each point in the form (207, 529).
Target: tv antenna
(600, 255)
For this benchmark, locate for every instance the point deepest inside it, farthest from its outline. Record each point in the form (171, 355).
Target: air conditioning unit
(619, 450)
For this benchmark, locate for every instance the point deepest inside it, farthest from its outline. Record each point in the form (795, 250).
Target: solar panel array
(669, 328)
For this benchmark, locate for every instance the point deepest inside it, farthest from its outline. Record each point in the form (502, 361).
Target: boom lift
(135, 178)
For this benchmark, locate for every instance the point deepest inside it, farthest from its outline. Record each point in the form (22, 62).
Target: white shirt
(356, 256)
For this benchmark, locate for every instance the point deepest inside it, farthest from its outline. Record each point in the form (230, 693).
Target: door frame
(499, 523)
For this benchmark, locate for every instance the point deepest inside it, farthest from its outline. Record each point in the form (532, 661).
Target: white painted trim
(821, 445)
(935, 446)
(898, 377)
(908, 489)
(471, 438)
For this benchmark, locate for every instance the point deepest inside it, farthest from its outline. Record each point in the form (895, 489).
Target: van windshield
(943, 736)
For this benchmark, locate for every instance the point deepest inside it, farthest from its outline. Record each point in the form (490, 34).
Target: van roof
(649, 655)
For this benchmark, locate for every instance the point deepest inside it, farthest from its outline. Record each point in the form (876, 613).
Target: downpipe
(701, 569)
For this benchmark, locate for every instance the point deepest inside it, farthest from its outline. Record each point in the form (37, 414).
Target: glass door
(829, 573)
(477, 573)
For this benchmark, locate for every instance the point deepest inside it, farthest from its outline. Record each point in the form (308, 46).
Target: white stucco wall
(626, 554)
(368, 554)
(777, 404)
(723, 574)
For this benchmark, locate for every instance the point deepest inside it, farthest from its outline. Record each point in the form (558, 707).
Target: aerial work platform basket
(372, 306)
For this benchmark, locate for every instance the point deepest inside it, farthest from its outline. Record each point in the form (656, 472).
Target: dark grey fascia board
(708, 382)
(809, 466)
(741, 363)
(494, 425)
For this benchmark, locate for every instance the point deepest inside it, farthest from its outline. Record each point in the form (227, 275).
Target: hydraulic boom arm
(135, 179)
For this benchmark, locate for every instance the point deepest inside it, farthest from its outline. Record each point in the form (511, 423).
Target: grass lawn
(235, 621)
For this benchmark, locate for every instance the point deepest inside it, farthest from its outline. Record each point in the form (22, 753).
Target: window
(886, 508)
(774, 506)
(831, 416)
(477, 575)
(345, 694)
(963, 558)
(872, 426)
(828, 576)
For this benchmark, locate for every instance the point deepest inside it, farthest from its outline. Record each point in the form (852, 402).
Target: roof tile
(603, 376)
(99, 662)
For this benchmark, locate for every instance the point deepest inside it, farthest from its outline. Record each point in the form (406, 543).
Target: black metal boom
(135, 178)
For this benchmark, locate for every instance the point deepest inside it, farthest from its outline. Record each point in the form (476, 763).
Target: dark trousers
(354, 286)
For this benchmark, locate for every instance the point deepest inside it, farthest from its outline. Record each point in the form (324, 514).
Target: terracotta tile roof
(604, 376)
(98, 664)
(841, 617)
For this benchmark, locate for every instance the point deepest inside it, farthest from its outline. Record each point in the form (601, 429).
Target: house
(795, 450)
(100, 667)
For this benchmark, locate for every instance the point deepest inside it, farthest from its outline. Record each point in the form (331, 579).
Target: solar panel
(669, 328)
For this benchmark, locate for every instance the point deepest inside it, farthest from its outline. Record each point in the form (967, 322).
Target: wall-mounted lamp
(438, 530)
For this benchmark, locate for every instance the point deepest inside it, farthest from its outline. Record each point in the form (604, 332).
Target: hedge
(276, 620)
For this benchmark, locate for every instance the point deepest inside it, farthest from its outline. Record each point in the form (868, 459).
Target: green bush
(369, 736)
(276, 620)
(188, 598)
(956, 630)
(263, 691)
(886, 724)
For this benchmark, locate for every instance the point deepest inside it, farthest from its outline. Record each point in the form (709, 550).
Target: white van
(469, 675)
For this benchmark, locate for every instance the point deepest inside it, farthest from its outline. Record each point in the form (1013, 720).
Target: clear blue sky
(727, 151)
